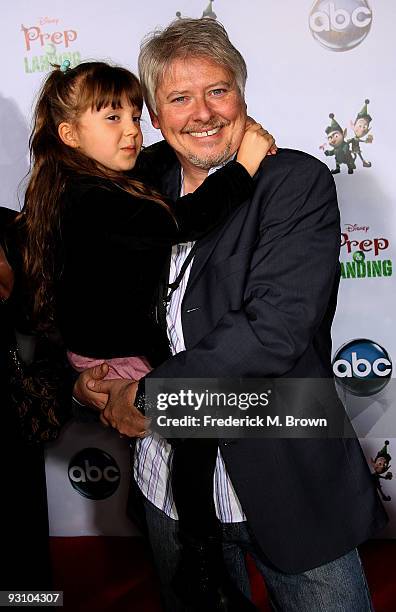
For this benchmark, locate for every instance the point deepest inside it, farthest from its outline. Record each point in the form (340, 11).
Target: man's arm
(292, 274)
(115, 401)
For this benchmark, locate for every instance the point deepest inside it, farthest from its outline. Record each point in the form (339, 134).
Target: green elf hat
(334, 126)
(363, 113)
(384, 453)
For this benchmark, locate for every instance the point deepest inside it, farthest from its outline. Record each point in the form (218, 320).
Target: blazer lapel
(206, 247)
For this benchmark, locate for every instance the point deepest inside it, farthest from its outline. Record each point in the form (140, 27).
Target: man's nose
(202, 110)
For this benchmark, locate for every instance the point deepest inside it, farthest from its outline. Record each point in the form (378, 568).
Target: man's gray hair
(185, 38)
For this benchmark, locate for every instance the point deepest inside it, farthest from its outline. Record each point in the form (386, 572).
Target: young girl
(97, 237)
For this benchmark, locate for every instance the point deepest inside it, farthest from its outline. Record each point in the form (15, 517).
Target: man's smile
(207, 133)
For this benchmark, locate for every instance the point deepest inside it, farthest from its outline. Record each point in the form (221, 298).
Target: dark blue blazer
(259, 302)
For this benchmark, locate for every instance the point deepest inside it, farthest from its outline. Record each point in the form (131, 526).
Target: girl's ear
(68, 135)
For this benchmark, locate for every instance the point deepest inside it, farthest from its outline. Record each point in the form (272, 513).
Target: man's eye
(217, 92)
(179, 99)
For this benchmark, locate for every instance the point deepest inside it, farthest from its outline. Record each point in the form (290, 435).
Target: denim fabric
(338, 586)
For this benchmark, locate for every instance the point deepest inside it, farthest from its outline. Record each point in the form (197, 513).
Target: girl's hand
(255, 145)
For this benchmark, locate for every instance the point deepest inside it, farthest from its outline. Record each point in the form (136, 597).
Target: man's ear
(154, 119)
(68, 135)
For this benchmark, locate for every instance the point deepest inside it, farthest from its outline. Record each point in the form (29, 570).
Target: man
(257, 300)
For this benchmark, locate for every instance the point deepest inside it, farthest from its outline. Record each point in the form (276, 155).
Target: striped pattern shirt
(153, 455)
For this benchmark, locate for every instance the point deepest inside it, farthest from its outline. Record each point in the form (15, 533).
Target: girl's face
(110, 136)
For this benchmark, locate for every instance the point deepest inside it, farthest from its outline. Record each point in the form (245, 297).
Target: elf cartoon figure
(336, 138)
(361, 128)
(381, 464)
(209, 12)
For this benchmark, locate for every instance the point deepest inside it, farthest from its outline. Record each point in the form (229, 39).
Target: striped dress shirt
(153, 455)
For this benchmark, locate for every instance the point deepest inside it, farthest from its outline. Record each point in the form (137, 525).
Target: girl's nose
(131, 127)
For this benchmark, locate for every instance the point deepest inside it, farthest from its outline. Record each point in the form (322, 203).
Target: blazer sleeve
(291, 277)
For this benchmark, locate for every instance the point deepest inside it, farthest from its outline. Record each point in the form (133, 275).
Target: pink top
(119, 367)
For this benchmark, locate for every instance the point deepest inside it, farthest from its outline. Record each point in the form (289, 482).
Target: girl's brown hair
(64, 96)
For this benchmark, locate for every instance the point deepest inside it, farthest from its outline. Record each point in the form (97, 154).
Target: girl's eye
(137, 119)
(113, 117)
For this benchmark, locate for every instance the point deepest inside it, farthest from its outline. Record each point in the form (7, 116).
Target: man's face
(200, 112)
(361, 127)
(335, 139)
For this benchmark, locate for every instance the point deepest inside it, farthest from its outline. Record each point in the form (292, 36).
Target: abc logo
(94, 473)
(340, 25)
(362, 367)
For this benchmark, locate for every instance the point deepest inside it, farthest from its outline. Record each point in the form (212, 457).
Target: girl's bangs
(109, 87)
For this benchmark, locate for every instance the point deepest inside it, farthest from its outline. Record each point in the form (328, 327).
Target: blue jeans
(338, 586)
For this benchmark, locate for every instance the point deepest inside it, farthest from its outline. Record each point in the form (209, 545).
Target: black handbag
(40, 391)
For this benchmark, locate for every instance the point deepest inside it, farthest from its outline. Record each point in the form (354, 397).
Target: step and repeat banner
(321, 80)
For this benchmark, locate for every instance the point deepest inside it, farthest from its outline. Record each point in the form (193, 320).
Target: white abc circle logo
(361, 367)
(340, 25)
(93, 473)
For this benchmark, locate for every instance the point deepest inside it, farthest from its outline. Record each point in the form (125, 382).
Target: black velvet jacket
(112, 251)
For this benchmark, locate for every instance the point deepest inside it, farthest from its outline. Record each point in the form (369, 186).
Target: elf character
(381, 464)
(336, 138)
(361, 128)
(209, 12)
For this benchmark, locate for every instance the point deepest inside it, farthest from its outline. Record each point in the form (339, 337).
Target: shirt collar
(212, 170)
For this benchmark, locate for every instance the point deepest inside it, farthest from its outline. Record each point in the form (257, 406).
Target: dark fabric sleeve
(219, 195)
(116, 217)
(136, 224)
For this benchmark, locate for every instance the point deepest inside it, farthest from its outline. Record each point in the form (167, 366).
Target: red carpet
(104, 574)
(116, 575)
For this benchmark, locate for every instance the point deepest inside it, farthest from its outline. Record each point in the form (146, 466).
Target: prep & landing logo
(47, 43)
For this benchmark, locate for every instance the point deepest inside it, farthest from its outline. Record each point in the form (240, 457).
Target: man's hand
(84, 393)
(120, 411)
